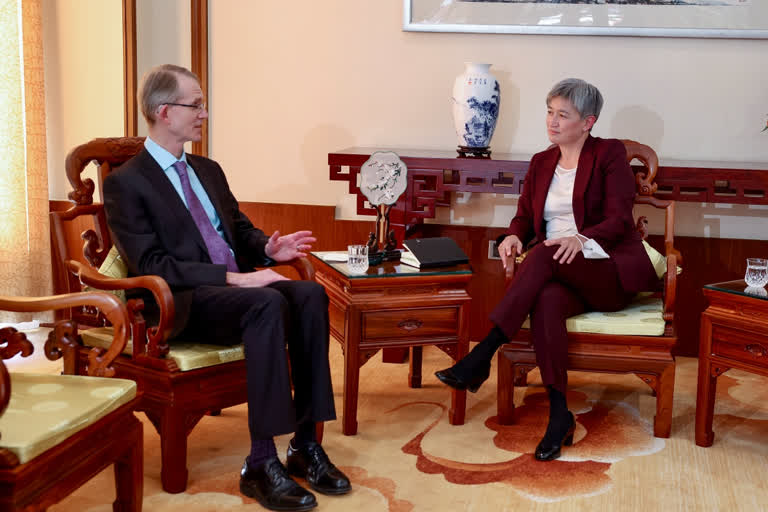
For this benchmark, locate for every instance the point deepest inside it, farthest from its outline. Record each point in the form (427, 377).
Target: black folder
(432, 252)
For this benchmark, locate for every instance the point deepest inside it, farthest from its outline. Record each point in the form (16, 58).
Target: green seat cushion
(44, 410)
(188, 356)
(643, 317)
(114, 267)
(658, 260)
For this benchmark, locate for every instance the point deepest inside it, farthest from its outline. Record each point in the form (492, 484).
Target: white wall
(291, 81)
(83, 58)
(321, 76)
(163, 35)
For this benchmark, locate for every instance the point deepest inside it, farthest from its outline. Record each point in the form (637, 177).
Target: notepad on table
(336, 256)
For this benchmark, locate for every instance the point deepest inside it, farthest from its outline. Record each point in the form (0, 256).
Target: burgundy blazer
(603, 197)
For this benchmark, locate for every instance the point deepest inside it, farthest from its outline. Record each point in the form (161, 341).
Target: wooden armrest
(155, 284)
(670, 284)
(302, 266)
(65, 333)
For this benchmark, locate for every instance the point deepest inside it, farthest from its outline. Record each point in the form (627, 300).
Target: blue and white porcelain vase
(476, 100)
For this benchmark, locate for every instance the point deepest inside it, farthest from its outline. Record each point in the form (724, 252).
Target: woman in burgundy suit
(577, 199)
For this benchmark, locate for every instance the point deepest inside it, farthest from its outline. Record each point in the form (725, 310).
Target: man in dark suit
(173, 215)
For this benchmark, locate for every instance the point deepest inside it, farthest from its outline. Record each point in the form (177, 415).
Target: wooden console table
(734, 334)
(433, 175)
(395, 306)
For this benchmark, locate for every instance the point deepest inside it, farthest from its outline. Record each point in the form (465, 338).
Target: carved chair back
(86, 217)
(645, 179)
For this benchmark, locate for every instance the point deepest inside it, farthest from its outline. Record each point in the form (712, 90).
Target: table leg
(351, 376)
(705, 403)
(458, 409)
(414, 372)
(707, 384)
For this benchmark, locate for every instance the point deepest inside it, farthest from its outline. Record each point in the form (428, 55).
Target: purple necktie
(218, 249)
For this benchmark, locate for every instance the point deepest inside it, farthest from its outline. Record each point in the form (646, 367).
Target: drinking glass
(357, 258)
(757, 272)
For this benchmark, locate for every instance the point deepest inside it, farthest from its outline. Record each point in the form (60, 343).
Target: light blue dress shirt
(166, 160)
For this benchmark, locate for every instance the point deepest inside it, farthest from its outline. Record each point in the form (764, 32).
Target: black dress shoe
(311, 462)
(550, 445)
(449, 378)
(273, 488)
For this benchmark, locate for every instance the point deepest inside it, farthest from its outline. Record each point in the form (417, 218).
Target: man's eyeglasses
(199, 107)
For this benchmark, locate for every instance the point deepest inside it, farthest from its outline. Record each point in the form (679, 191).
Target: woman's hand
(288, 247)
(509, 248)
(570, 246)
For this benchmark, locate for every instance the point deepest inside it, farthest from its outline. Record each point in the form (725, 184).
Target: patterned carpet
(407, 457)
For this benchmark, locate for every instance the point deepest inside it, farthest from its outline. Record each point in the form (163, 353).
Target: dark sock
(478, 361)
(305, 434)
(261, 450)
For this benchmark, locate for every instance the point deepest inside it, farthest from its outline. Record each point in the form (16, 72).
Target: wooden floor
(406, 457)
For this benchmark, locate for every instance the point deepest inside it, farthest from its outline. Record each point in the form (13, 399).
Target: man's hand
(288, 247)
(509, 248)
(570, 246)
(256, 279)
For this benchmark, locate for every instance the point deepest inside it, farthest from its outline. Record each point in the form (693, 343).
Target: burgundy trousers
(550, 292)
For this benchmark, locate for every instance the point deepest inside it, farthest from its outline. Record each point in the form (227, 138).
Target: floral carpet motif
(605, 432)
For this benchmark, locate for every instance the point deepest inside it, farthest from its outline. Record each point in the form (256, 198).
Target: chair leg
(665, 390)
(173, 447)
(129, 473)
(505, 395)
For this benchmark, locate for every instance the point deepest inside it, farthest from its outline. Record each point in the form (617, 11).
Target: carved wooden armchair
(638, 339)
(58, 431)
(180, 382)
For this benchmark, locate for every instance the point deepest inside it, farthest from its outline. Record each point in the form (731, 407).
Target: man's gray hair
(160, 86)
(585, 97)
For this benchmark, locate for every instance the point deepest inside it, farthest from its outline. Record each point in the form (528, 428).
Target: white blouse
(558, 212)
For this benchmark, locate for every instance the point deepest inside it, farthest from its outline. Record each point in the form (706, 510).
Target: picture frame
(737, 19)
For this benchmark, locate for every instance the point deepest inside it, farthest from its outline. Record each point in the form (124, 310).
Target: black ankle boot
(449, 377)
(558, 433)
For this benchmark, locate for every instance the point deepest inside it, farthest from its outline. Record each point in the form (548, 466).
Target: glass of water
(357, 258)
(757, 272)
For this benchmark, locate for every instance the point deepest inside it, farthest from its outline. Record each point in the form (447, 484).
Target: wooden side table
(734, 334)
(395, 306)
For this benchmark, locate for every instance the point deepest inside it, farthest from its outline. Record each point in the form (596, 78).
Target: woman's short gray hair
(160, 86)
(585, 97)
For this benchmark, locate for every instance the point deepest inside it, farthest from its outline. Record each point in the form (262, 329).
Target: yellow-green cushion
(46, 409)
(658, 260)
(188, 356)
(643, 317)
(114, 266)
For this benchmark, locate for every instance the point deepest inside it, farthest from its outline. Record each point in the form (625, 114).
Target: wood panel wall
(705, 260)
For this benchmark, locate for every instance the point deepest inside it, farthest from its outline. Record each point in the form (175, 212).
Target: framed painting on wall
(662, 18)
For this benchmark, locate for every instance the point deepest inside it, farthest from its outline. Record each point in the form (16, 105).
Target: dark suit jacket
(156, 234)
(603, 197)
